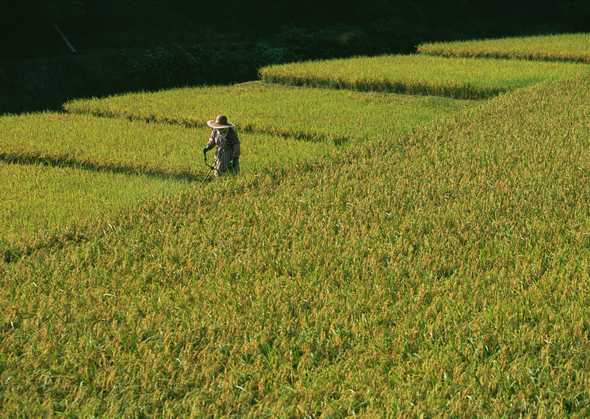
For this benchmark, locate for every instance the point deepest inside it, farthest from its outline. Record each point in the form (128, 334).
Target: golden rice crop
(119, 145)
(92, 168)
(421, 74)
(445, 276)
(318, 115)
(563, 47)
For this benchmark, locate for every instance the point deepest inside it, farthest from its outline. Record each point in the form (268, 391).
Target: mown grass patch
(40, 203)
(422, 75)
(121, 146)
(318, 115)
(564, 47)
(447, 276)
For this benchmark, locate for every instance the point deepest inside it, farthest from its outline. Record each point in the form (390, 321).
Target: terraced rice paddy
(440, 269)
(139, 160)
(566, 47)
(317, 115)
(422, 75)
(121, 146)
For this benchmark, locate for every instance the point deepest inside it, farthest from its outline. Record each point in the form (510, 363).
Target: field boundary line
(66, 162)
(186, 123)
(464, 92)
(506, 56)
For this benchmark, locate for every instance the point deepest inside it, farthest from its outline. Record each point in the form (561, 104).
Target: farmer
(225, 137)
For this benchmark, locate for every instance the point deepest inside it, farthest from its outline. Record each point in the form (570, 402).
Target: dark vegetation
(135, 45)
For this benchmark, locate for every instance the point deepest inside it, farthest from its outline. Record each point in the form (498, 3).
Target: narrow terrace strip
(559, 48)
(47, 203)
(421, 74)
(126, 147)
(315, 115)
(457, 91)
(77, 233)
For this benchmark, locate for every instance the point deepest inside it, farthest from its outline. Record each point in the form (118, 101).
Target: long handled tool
(211, 168)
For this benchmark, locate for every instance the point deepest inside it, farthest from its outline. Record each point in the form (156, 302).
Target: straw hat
(220, 122)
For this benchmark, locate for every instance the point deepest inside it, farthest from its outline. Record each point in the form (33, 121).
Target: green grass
(318, 115)
(423, 75)
(42, 204)
(138, 147)
(565, 47)
(445, 276)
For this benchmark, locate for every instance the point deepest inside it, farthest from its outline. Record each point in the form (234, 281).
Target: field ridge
(187, 123)
(65, 161)
(464, 92)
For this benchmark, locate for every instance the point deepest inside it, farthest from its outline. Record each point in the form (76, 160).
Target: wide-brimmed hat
(220, 122)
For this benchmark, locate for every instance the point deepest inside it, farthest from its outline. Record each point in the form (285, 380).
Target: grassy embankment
(566, 47)
(422, 75)
(64, 172)
(309, 114)
(445, 275)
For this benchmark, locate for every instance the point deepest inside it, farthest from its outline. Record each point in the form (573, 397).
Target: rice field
(316, 115)
(122, 146)
(433, 261)
(471, 241)
(422, 75)
(64, 172)
(564, 47)
(43, 205)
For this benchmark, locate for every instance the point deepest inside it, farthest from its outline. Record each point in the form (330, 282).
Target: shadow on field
(183, 176)
(190, 124)
(45, 84)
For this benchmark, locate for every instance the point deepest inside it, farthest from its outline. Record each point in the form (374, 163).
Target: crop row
(566, 47)
(316, 115)
(422, 75)
(446, 275)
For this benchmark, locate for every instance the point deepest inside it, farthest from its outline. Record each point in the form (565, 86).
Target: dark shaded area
(130, 45)
(465, 92)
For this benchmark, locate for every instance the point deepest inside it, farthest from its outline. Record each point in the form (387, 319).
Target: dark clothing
(227, 156)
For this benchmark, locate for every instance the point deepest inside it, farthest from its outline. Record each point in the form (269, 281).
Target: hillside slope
(445, 274)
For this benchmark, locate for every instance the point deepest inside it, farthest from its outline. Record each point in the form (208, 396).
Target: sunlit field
(67, 169)
(380, 255)
(309, 114)
(133, 146)
(423, 75)
(567, 47)
(43, 205)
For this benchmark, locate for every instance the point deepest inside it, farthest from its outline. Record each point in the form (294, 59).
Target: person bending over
(225, 137)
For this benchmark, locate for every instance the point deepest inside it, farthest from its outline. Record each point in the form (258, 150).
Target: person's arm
(210, 143)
